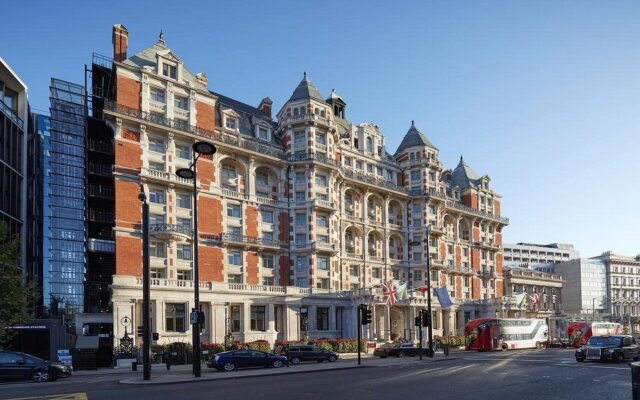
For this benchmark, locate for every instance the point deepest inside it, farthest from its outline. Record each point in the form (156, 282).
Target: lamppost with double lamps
(199, 148)
(430, 327)
(146, 295)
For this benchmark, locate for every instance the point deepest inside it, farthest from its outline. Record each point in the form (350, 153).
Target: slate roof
(464, 177)
(249, 116)
(414, 138)
(147, 57)
(306, 90)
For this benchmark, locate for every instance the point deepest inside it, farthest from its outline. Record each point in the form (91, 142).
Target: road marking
(568, 378)
(68, 396)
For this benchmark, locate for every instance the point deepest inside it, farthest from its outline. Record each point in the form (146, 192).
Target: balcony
(436, 230)
(323, 246)
(313, 118)
(101, 245)
(484, 274)
(248, 241)
(227, 139)
(436, 264)
(10, 113)
(472, 211)
(235, 195)
(172, 232)
(165, 176)
(329, 205)
(100, 147)
(100, 191)
(106, 217)
(487, 244)
(100, 169)
(370, 179)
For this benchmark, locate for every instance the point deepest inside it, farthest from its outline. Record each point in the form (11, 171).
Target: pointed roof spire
(414, 138)
(306, 89)
(463, 176)
(161, 37)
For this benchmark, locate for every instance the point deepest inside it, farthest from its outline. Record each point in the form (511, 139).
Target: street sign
(193, 317)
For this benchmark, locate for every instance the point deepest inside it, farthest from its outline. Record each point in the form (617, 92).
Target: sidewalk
(183, 373)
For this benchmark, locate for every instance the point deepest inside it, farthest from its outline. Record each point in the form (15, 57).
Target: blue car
(230, 360)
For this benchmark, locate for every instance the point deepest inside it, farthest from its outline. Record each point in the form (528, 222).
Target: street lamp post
(430, 327)
(199, 148)
(146, 329)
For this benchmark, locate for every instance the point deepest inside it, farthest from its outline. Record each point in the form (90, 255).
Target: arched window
(369, 145)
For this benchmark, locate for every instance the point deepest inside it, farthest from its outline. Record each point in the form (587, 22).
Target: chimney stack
(202, 78)
(120, 40)
(265, 106)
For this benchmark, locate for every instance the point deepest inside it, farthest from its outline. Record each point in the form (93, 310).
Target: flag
(535, 301)
(401, 292)
(520, 301)
(443, 297)
(389, 293)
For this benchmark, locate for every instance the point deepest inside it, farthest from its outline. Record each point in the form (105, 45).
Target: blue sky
(543, 96)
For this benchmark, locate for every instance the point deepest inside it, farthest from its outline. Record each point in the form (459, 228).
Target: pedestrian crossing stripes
(67, 396)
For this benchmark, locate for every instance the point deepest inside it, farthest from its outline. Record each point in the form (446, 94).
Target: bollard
(134, 366)
(635, 380)
(168, 365)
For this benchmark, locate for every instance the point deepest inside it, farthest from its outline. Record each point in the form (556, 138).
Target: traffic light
(418, 321)
(156, 336)
(426, 318)
(365, 315)
(139, 331)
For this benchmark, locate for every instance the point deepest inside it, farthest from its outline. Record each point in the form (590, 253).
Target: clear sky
(542, 96)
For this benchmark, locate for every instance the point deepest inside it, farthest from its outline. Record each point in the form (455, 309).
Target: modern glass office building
(64, 200)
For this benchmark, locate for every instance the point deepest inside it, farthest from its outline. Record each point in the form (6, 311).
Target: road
(547, 374)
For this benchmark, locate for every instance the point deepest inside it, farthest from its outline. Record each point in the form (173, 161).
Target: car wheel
(40, 376)
(277, 363)
(539, 345)
(332, 358)
(229, 366)
(579, 359)
(295, 360)
(401, 354)
(504, 347)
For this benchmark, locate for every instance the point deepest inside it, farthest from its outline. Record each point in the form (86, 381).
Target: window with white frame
(183, 151)
(234, 210)
(170, 70)
(417, 275)
(231, 123)
(157, 166)
(156, 145)
(263, 133)
(234, 278)
(262, 179)
(322, 238)
(302, 263)
(157, 196)
(268, 261)
(299, 139)
(258, 318)
(156, 219)
(348, 162)
(322, 283)
(415, 176)
(158, 249)
(184, 224)
(323, 263)
(174, 317)
(181, 102)
(369, 144)
(321, 138)
(354, 270)
(228, 171)
(322, 221)
(184, 252)
(302, 282)
(301, 238)
(301, 219)
(267, 216)
(376, 272)
(268, 281)
(301, 178)
(300, 196)
(321, 181)
(157, 95)
(183, 200)
(234, 257)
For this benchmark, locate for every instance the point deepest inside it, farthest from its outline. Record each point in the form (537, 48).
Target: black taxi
(615, 348)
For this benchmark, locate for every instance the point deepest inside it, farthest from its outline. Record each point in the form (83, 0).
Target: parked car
(558, 343)
(230, 360)
(400, 350)
(15, 366)
(615, 348)
(298, 353)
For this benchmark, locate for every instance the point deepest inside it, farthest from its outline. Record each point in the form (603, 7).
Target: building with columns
(302, 214)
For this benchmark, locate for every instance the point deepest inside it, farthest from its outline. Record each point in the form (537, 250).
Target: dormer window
(170, 71)
(231, 123)
(263, 133)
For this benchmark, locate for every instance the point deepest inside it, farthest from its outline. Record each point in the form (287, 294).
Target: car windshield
(31, 359)
(600, 341)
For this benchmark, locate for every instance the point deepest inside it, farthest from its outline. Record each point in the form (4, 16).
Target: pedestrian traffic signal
(365, 315)
(418, 321)
(156, 336)
(426, 318)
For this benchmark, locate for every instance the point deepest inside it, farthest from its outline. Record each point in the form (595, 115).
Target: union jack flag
(389, 292)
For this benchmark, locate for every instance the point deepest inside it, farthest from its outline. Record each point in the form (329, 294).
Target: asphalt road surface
(537, 374)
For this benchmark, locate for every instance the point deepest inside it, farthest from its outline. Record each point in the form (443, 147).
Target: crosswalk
(67, 396)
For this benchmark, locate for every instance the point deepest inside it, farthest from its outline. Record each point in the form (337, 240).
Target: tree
(17, 299)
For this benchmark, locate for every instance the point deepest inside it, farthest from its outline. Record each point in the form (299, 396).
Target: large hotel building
(302, 214)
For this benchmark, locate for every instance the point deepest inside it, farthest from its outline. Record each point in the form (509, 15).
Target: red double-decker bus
(580, 332)
(486, 334)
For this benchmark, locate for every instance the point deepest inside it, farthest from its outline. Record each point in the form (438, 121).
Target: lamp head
(141, 196)
(186, 173)
(205, 148)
